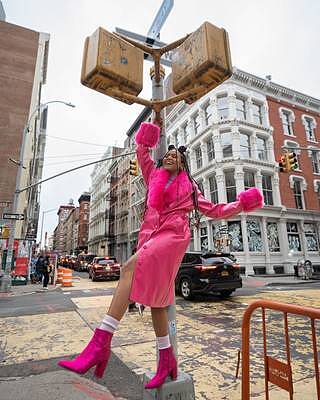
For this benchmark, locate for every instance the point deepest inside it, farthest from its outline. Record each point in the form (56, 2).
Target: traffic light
(292, 161)
(134, 167)
(283, 163)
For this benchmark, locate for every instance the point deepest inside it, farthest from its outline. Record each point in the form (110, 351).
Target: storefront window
(293, 236)
(311, 237)
(254, 235)
(204, 238)
(273, 237)
(235, 236)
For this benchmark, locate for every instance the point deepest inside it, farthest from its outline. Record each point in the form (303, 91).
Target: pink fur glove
(148, 134)
(251, 199)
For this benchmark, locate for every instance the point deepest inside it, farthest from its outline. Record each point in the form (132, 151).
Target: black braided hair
(182, 150)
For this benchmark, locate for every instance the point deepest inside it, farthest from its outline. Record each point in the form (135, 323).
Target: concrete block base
(180, 389)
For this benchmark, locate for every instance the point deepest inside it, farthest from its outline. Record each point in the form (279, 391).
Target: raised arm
(146, 138)
(247, 201)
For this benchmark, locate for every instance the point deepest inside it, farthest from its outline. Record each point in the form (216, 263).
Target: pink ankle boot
(96, 353)
(167, 366)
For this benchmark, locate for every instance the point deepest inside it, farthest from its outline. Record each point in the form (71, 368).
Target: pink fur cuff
(148, 134)
(251, 199)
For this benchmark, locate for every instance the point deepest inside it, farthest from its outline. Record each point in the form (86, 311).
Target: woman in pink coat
(148, 276)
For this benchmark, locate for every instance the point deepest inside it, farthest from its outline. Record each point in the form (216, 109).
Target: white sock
(109, 324)
(163, 342)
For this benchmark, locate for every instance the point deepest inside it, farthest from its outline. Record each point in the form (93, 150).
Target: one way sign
(18, 217)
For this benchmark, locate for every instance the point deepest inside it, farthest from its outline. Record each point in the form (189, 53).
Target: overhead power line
(77, 141)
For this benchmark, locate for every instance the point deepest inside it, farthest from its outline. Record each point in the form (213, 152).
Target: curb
(292, 283)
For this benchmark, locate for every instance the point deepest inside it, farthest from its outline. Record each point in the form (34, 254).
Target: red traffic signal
(283, 163)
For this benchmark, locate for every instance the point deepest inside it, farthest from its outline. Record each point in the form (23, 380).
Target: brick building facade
(23, 68)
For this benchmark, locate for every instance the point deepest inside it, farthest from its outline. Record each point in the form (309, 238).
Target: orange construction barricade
(59, 275)
(67, 277)
(277, 372)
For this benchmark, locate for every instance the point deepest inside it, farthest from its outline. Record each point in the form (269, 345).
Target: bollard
(180, 389)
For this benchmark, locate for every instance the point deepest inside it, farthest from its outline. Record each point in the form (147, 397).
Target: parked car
(104, 268)
(83, 262)
(207, 273)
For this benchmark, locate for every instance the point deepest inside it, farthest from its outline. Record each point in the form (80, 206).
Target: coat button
(144, 246)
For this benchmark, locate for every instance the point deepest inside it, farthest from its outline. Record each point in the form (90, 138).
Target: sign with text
(16, 217)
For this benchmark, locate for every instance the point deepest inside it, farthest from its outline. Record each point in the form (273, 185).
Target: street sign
(160, 19)
(30, 237)
(17, 217)
(166, 59)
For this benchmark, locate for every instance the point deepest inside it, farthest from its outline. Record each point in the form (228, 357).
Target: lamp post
(43, 213)
(6, 279)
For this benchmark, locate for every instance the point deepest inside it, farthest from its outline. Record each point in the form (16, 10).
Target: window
(226, 144)
(191, 245)
(185, 133)
(309, 127)
(310, 232)
(196, 123)
(318, 193)
(215, 235)
(273, 237)
(248, 180)
(297, 192)
(210, 149)
(287, 123)
(241, 108)
(262, 149)
(254, 235)
(207, 114)
(257, 113)
(267, 190)
(235, 236)
(230, 186)
(204, 238)
(213, 189)
(198, 157)
(222, 106)
(315, 162)
(245, 148)
(293, 236)
(200, 186)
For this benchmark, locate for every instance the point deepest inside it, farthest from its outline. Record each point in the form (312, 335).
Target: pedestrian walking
(148, 276)
(46, 272)
(39, 268)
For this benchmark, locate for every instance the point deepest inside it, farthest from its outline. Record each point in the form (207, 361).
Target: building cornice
(275, 90)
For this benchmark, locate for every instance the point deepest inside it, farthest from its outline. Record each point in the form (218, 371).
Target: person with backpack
(46, 270)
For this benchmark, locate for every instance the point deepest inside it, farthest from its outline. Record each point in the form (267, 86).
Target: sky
(275, 37)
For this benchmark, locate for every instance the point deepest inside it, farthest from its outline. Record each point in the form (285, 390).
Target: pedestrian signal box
(4, 232)
(134, 167)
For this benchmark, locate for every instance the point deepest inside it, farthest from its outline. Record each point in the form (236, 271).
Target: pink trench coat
(165, 234)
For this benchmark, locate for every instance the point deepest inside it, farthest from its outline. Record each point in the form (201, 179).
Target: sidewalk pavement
(52, 386)
(274, 280)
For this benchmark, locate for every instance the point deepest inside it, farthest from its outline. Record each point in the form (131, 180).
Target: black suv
(206, 273)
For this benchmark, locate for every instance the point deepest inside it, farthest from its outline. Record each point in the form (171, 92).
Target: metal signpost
(185, 382)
